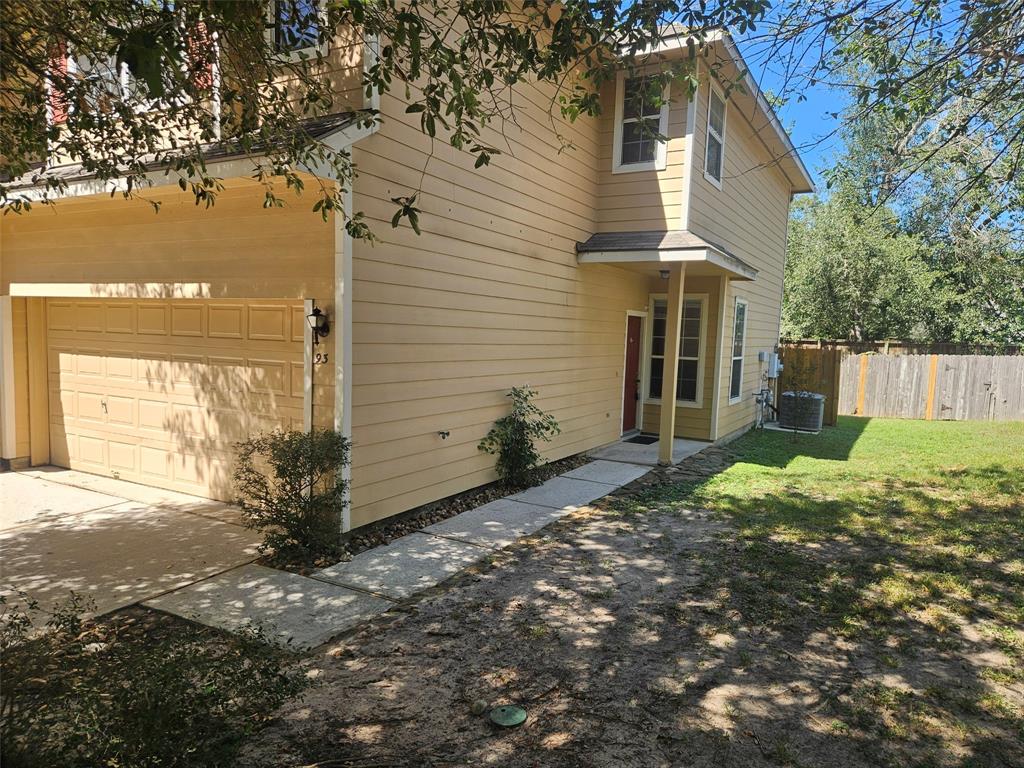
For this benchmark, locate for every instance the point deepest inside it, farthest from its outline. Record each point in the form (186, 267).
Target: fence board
(814, 370)
(958, 387)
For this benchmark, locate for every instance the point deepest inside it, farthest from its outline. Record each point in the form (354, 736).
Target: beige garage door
(157, 391)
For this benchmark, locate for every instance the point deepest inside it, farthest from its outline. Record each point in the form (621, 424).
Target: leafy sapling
(513, 438)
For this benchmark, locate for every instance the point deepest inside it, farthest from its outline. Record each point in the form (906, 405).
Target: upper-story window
(296, 25)
(714, 149)
(640, 118)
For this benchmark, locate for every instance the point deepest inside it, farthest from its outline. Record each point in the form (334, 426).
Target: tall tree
(851, 273)
(955, 66)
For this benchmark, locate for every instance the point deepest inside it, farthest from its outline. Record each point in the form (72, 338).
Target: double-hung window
(688, 381)
(641, 117)
(296, 25)
(739, 338)
(714, 148)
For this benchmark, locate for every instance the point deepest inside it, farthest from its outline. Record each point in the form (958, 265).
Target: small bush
(290, 488)
(136, 691)
(513, 438)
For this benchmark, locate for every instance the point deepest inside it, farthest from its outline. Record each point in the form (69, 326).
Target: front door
(631, 390)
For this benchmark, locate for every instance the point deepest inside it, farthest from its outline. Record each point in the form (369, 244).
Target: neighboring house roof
(614, 247)
(319, 128)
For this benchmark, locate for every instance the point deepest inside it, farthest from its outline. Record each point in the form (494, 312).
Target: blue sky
(809, 122)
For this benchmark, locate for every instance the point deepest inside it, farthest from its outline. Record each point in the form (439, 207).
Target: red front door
(631, 390)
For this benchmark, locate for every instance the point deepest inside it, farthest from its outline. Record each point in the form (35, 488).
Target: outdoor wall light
(319, 324)
(663, 274)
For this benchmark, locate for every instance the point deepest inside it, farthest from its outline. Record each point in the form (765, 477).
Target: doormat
(643, 439)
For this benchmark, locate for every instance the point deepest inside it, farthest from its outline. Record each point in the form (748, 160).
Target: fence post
(862, 382)
(930, 402)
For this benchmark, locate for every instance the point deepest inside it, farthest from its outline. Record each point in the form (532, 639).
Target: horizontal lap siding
(488, 297)
(749, 217)
(115, 247)
(641, 200)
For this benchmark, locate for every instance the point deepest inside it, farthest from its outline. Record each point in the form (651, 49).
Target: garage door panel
(269, 322)
(60, 316)
(92, 451)
(123, 457)
(119, 318)
(152, 319)
(120, 365)
(188, 320)
(226, 321)
(89, 362)
(89, 318)
(159, 392)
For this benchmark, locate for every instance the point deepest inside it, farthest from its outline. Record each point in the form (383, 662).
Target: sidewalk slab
(497, 524)
(26, 499)
(117, 555)
(405, 566)
(289, 607)
(612, 472)
(564, 493)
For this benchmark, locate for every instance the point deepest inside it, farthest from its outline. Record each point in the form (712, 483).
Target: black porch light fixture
(319, 324)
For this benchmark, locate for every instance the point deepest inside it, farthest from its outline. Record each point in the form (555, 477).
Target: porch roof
(661, 247)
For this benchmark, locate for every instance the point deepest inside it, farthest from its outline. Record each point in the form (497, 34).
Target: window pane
(691, 328)
(635, 101)
(639, 142)
(686, 387)
(690, 346)
(297, 24)
(713, 162)
(735, 385)
(738, 330)
(657, 368)
(717, 114)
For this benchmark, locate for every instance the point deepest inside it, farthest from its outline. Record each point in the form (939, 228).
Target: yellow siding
(749, 217)
(488, 297)
(99, 246)
(641, 200)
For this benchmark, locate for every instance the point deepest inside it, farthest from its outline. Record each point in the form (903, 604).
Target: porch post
(670, 374)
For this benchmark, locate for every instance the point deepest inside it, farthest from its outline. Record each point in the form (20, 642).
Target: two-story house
(614, 277)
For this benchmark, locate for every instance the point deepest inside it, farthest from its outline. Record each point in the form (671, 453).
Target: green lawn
(903, 541)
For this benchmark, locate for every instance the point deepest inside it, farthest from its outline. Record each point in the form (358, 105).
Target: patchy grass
(905, 541)
(852, 599)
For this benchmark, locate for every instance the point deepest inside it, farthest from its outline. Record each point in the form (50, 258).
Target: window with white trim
(640, 119)
(714, 147)
(688, 381)
(739, 340)
(296, 25)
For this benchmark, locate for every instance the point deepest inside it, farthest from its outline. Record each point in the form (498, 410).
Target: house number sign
(320, 358)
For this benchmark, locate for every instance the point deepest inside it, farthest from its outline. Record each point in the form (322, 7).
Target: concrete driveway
(116, 542)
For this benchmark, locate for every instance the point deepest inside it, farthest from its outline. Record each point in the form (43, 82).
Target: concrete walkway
(116, 542)
(308, 611)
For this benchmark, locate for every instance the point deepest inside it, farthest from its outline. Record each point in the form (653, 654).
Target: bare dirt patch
(648, 634)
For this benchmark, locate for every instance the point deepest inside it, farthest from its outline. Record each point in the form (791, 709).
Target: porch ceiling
(649, 251)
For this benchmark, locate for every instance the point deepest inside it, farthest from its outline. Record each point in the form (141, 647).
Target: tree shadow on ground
(800, 630)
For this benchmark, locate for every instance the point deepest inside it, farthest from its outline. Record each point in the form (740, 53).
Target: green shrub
(290, 488)
(131, 692)
(513, 438)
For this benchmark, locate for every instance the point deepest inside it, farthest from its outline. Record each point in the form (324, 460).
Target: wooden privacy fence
(909, 386)
(814, 369)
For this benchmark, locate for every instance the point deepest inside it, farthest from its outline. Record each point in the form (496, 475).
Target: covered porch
(682, 349)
